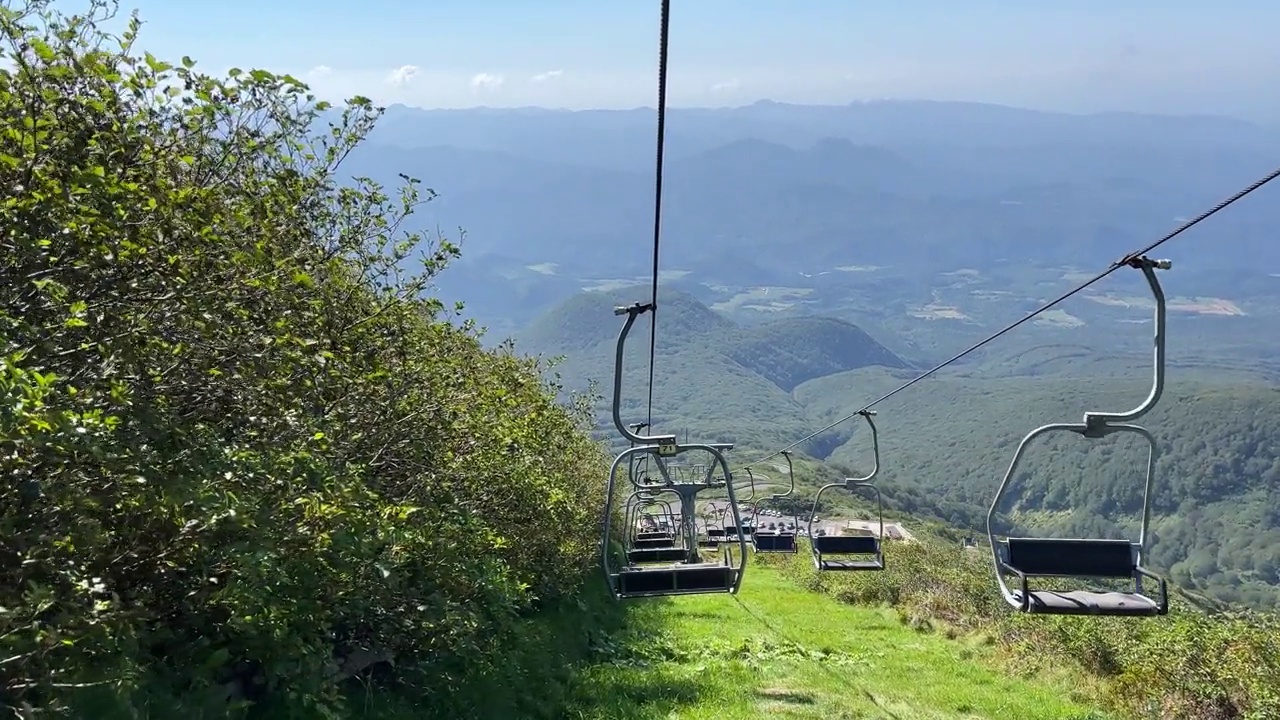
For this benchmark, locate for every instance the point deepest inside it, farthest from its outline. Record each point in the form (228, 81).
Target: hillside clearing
(778, 651)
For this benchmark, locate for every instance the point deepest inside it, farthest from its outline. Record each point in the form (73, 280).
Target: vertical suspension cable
(657, 192)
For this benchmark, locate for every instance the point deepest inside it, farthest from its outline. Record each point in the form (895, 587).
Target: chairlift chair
(649, 539)
(780, 541)
(1089, 558)
(851, 552)
(688, 574)
(712, 534)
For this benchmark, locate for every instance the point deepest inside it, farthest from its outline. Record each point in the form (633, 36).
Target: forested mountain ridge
(707, 366)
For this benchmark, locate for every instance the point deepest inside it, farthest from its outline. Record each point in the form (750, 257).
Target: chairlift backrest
(1073, 557)
(846, 544)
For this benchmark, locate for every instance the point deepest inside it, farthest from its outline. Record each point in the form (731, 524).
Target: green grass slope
(1188, 665)
(776, 650)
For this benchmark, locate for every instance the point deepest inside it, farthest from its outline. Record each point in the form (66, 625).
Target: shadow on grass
(631, 693)
(592, 657)
(786, 697)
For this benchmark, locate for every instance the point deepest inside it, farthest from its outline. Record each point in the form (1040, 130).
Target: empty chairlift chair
(836, 553)
(712, 531)
(782, 541)
(689, 574)
(662, 533)
(1025, 558)
(652, 546)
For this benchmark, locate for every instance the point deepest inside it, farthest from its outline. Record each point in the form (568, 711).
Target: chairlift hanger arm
(636, 427)
(632, 312)
(1148, 268)
(875, 452)
(791, 474)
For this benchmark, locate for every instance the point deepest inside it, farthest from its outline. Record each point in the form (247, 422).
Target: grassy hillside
(777, 650)
(1188, 665)
(927, 638)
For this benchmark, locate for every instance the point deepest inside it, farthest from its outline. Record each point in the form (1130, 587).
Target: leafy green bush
(245, 458)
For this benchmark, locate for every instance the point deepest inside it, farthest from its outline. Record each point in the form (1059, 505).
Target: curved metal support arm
(1148, 268)
(642, 500)
(791, 474)
(637, 470)
(753, 487)
(632, 312)
(813, 512)
(875, 452)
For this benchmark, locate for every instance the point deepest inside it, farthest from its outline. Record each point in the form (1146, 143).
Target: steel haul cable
(657, 193)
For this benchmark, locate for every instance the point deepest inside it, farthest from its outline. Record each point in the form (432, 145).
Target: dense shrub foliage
(1189, 665)
(243, 457)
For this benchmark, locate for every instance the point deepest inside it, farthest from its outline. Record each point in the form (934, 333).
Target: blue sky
(1082, 55)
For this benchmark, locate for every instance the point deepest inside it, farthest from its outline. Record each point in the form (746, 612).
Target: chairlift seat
(1080, 558)
(637, 556)
(653, 543)
(775, 542)
(847, 545)
(653, 535)
(675, 580)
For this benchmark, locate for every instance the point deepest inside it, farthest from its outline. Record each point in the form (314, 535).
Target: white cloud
(319, 71)
(486, 81)
(726, 85)
(402, 75)
(543, 77)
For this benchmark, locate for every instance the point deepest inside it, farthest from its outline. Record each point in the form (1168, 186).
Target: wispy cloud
(543, 77)
(486, 81)
(319, 71)
(726, 85)
(402, 75)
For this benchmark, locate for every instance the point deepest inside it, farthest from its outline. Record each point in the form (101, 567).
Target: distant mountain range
(555, 201)
(872, 182)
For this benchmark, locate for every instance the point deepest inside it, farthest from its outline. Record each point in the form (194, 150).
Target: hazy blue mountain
(554, 202)
(624, 138)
